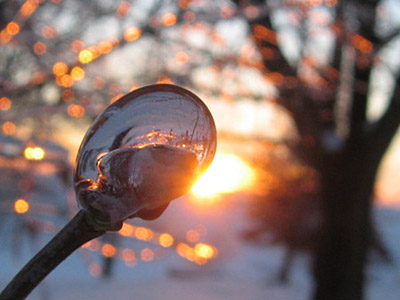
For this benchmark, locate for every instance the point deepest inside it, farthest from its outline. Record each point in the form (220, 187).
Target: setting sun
(228, 173)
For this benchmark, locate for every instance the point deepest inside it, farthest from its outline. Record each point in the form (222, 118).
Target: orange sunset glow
(227, 174)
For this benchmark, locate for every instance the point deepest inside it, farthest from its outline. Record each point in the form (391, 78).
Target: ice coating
(161, 133)
(132, 179)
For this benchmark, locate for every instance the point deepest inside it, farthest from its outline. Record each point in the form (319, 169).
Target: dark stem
(77, 232)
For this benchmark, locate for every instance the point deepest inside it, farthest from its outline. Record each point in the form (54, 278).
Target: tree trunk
(347, 189)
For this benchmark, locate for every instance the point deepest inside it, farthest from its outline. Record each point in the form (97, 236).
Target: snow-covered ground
(240, 271)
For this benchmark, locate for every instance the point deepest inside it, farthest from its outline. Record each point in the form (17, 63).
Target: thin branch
(389, 122)
(362, 74)
(77, 232)
(381, 43)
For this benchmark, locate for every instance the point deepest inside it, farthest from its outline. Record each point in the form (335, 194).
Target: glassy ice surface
(138, 150)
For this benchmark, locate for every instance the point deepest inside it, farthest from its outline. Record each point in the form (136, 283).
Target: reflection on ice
(143, 151)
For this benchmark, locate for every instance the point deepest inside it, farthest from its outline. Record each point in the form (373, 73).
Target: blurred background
(284, 81)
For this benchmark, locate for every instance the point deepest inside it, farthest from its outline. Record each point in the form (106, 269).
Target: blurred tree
(287, 210)
(329, 98)
(322, 60)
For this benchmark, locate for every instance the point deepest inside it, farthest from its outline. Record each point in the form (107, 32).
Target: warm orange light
(199, 254)
(200, 260)
(164, 79)
(188, 253)
(166, 240)
(8, 128)
(115, 98)
(192, 236)
(95, 269)
(77, 45)
(226, 12)
(184, 4)
(217, 39)
(34, 153)
(60, 68)
(38, 78)
(132, 34)
(12, 28)
(181, 57)
(316, 2)
(28, 8)
(105, 47)
(276, 78)
(114, 42)
(76, 110)
(77, 73)
(127, 230)
(5, 37)
(21, 206)
(123, 9)
(147, 254)
(5, 103)
(129, 257)
(181, 249)
(204, 251)
(169, 19)
(95, 51)
(67, 95)
(263, 33)
(39, 48)
(85, 56)
(228, 173)
(48, 32)
(108, 250)
(143, 233)
(362, 43)
(94, 245)
(86, 245)
(65, 80)
(331, 2)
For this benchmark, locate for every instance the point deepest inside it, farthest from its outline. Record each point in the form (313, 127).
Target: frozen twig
(77, 232)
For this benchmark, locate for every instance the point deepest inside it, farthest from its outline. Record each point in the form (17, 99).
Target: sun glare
(228, 173)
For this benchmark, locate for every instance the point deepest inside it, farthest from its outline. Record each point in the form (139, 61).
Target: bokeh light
(77, 73)
(12, 28)
(21, 206)
(34, 153)
(169, 19)
(76, 110)
(60, 68)
(85, 56)
(5, 103)
(204, 250)
(132, 34)
(108, 250)
(39, 48)
(166, 240)
(8, 128)
(147, 254)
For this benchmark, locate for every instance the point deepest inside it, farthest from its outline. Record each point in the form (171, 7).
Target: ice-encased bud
(142, 152)
(135, 179)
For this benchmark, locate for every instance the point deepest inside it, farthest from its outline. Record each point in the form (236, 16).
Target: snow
(241, 270)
